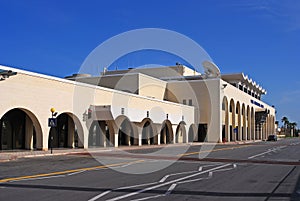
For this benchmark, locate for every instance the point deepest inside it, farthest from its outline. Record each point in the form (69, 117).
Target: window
(190, 102)
(184, 102)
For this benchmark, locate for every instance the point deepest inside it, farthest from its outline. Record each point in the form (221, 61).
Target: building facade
(133, 107)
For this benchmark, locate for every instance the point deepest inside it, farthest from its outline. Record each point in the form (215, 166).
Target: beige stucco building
(133, 107)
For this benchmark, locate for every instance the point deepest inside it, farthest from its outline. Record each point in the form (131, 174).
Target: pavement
(6, 156)
(255, 172)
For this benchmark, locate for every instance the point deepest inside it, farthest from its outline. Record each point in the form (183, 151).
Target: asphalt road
(257, 171)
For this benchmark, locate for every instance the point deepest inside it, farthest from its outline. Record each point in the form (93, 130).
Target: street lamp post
(52, 122)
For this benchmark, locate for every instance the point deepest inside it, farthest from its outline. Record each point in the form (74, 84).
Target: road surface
(254, 171)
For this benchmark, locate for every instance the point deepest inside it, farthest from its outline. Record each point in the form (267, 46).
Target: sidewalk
(16, 154)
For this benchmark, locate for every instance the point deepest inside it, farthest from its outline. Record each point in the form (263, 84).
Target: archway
(249, 132)
(100, 134)
(125, 132)
(232, 121)
(192, 133)
(166, 133)
(238, 130)
(244, 123)
(225, 120)
(20, 129)
(181, 133)
(148, 136)
(67, 134)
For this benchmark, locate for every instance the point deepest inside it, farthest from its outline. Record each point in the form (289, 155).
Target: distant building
(133, 107)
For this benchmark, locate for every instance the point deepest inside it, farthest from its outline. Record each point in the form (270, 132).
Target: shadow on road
(174, 192)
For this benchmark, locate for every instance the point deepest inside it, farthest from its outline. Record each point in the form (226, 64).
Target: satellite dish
(211, 69)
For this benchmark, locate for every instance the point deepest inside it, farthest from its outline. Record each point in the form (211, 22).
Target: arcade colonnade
(239, 123)
(21, 129)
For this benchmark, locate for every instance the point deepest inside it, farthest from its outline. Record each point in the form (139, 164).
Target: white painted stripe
(193, 180)
(74, 173)
(99, 196)
(167, 183)
(169, 191)
(254, 156)
(167, 176)
(139, 185)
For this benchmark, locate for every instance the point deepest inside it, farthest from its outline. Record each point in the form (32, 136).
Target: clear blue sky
(258, 37)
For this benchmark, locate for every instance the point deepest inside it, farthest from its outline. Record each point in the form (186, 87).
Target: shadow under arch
(20, 129)
(149, 134)
(181, 133)
(125, 130)
(225, 120)
(166, 133)
(101, 134)
(193, 130)
(68, 133)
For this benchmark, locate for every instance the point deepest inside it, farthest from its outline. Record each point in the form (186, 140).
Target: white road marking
(170, 189)
(193, 180)
(269, 151)
(74, 173)
(99, 196)
(167, 183)
(157, 196)
(139, 185)
(167, 176)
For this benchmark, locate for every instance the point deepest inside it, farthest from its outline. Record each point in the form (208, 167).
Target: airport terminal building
(133, 107)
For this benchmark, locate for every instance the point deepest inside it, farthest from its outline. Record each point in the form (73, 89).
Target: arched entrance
(192, 133)
(166, 133)
(65, 134)
(181, 133)
(100, 135)
(20, 129)
(126, 133)
(232, 121)
(225, 120)
(148, 137)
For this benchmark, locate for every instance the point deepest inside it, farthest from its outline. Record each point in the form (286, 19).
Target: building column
(116, 140)
(28, 133)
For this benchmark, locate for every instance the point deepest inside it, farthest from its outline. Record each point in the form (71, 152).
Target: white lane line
(174, 174)
(193, 180)
(157, 196)
(74, 173)
(269, 151)
(167, 176)
(254, 156)
(227, 169)
(99, 196)
(167, 183)
(139, 185)
(169, 191)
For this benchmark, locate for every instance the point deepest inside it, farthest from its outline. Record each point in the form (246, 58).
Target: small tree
(285, 122)
(293, 126)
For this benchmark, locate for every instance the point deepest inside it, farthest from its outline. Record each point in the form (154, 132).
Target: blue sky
(258, 37)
